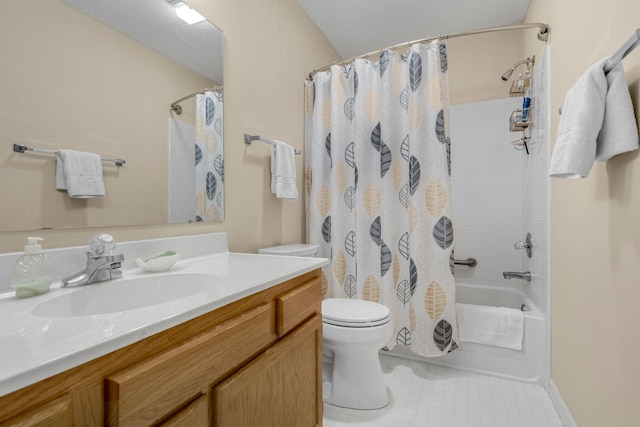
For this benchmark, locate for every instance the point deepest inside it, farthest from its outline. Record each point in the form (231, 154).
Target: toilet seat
(354, 313)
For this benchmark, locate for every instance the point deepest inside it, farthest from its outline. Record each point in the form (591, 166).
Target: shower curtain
(209, 161)
(378, 190)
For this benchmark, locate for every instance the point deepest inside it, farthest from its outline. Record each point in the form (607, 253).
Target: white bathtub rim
(532, 308)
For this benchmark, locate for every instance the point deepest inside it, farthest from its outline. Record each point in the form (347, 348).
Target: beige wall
(477, 62)
(270, 46)
(595, 232)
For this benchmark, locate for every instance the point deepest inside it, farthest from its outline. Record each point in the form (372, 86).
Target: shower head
(506, 75)
(528, 61)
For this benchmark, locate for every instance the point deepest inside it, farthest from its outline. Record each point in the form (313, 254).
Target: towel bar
(20, 148)
(248, 138)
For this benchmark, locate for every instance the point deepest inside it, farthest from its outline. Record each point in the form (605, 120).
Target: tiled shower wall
(536, 194)
(500, 193)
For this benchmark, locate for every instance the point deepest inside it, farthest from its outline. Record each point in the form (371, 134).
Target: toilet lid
(354, 313)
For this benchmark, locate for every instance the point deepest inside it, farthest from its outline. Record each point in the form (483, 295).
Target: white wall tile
(499, 193)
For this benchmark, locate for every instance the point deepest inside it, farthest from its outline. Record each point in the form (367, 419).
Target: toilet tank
(297, 249)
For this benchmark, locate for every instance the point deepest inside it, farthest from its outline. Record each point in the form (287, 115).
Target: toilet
(352, 333)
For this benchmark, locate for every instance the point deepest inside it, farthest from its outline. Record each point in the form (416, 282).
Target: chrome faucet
(102, 263)
(516, 275)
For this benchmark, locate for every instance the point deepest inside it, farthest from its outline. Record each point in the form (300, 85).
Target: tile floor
(424, 395)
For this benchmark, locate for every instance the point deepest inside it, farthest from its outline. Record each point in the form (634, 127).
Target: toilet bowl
(352, 333)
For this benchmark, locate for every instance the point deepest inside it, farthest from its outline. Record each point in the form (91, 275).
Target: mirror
(100, 76)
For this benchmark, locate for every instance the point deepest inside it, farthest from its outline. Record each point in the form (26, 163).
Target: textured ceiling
(155, 24)
(355, 27)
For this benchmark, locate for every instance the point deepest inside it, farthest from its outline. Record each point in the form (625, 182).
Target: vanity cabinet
(288, 367)
(254, 362)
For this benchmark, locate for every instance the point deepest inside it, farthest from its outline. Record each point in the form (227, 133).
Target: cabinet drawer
(54, 414)
(297, 305)
(150, 390)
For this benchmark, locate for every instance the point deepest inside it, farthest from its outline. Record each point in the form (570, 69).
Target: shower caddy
(520, 119)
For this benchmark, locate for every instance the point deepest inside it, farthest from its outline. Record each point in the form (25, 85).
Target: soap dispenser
(33, 272)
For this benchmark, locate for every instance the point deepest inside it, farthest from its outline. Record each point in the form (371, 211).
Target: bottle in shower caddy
(33, 272)
(526, 104)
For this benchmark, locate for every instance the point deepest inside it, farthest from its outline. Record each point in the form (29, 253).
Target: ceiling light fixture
(185, 13)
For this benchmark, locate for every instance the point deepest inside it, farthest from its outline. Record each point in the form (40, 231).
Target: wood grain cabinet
(255, 362)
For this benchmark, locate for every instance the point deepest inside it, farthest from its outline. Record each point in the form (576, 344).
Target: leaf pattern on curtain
(350, 244)
(384, 62)
(340, 267)
(415, 71)
(371, 290)
(404, 98)
(326, 229)
(209, 161)
(443, 58)
(435, 300)
(440, 132)
(198, 154)
(442, 334)
(414, 174)
(212, 185)
(351, 286)
(404, 337)
(388, 236)
(436, 198)
(372, 199)
(443, 232)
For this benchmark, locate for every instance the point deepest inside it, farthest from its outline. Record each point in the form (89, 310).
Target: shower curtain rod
(178, 109)
(543, 35)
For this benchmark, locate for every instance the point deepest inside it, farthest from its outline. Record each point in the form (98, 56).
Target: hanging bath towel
(80, 174)
(597, 122)
(283, 171)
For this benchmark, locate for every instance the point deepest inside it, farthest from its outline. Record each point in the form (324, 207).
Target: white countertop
(34, 347)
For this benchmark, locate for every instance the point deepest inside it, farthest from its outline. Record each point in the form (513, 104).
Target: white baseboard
(561, 406)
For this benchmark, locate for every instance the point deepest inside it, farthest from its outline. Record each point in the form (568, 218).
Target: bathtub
(527, 364)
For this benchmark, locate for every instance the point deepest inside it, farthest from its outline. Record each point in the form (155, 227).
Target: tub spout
(517, 275)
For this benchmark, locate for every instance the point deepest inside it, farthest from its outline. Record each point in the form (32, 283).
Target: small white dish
(155, 263)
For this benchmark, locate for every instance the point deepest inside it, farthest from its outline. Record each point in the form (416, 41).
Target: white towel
(80, 174)
(597, 122)
(619, 133)
(283, 171)
(496, 326)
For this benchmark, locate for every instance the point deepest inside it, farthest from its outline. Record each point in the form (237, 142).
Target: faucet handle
(102, 244)
(524, 245)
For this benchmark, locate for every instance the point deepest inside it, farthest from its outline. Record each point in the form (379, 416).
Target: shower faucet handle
(526, 245)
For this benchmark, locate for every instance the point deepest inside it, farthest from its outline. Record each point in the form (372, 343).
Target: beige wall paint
(477, 62)
(270, 46)
(595, 232)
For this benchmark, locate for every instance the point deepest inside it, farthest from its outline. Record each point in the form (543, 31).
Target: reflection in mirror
(72, 81)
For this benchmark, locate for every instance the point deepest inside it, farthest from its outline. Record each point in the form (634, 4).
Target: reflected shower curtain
(378, 190)
(209, 160)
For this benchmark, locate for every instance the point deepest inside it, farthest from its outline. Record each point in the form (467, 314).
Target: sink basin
(125, 294)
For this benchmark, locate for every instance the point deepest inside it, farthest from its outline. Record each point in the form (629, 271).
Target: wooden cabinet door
(148, 391)
(196, 414)
(280, 388)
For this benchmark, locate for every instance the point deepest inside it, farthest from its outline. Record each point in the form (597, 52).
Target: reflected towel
(497, 326)
(597, 122)
(80, 174)
(283, 171)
